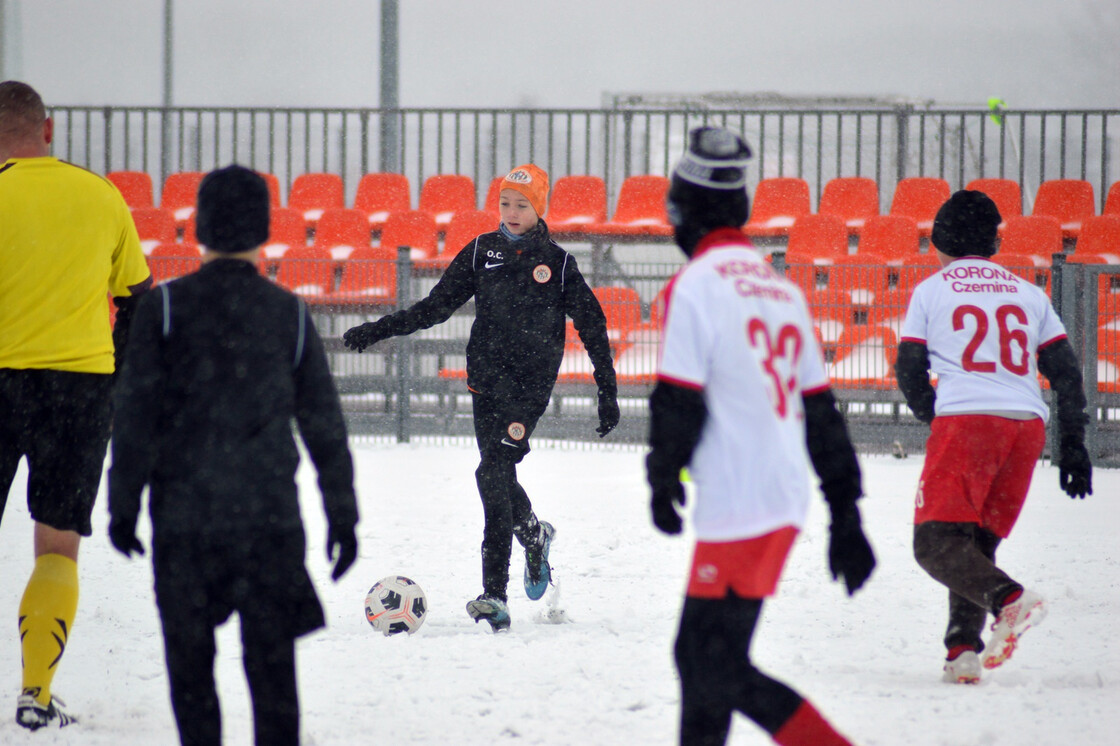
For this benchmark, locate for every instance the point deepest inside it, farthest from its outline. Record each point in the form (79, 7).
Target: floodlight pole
(168, 78)
(389, 101)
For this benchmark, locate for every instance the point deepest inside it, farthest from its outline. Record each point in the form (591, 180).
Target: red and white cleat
(1014, 619)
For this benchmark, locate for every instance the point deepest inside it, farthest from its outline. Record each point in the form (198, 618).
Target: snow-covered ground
(872, 664)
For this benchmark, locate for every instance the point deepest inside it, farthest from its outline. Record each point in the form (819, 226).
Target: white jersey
(741, 334)
(983, 327)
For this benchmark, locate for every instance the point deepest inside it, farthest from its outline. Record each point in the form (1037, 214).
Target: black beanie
(966, 225)
(708, 189)
(233, 204)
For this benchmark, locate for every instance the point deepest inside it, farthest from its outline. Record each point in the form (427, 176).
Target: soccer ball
(396, 604)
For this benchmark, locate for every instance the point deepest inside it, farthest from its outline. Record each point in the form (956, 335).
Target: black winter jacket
(523, 292)
(215, 372)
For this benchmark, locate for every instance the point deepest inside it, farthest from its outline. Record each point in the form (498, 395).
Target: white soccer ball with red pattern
(396, 604)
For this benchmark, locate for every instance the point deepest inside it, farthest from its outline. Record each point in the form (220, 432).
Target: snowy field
(872, 664)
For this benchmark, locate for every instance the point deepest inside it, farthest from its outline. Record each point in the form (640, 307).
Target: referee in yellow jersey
(67, 241)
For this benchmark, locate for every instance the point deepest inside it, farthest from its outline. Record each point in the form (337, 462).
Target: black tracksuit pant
(200, 582)
(962, 557)
(712, 653)
(502, 430)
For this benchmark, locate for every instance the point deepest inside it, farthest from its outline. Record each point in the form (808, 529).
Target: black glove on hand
(1075, 473)
(122, 534)
(608, 411)
(849, 555)
(666, 497)
(360, 337)
(345, 541)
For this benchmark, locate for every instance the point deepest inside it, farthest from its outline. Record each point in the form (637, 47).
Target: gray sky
(1032, 53)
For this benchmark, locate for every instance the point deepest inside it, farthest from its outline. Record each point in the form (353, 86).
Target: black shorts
(60, 421)
(502, 427)
(200, 581)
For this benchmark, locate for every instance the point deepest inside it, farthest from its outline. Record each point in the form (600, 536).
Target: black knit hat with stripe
(708, 189)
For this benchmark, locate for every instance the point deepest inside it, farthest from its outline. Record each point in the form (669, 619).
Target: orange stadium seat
(170, 260)
(341, 230)
(1036, 235)
(312, 193)
(286, 229)
(1112, 200)
(577, 203)
(864, 277)
(381, 194)
(817, 237)
(1004, 192)
(892, 237)
(443, 195)
(641, 208)
(852, 198)
(920, 197)
(369, 275)
(154, 225)
(416, 229)
(912, 271)
(134, 186)
(1069, 200)
(889, 309)
(623, 308)
(777, 202)
(179, 194)
(1100, 235)
(307, 271)
(493, 194)
(461, 231)
(865, 357)
(814, 240)
(273, 183)
(1028, 266)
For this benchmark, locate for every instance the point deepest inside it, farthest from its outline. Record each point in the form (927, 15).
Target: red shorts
(978, 470)
(750, 567)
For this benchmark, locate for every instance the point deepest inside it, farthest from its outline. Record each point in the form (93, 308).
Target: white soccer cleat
(964, 669)
(1014, 619)
(33, 716)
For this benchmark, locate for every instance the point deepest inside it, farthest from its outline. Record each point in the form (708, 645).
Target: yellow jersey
(67, 241)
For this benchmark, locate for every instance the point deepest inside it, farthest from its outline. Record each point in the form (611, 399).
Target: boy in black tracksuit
(220, 363)
(524, 286)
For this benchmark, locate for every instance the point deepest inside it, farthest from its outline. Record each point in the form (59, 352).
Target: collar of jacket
(722, 237)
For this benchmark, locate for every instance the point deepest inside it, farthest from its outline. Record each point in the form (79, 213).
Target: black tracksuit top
(204, 411)
(523, 292)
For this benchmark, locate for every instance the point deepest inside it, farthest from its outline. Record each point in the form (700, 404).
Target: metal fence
(413, 386)
(886, 143)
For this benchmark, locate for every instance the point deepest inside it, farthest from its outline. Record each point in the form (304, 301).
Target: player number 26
(1013, 354)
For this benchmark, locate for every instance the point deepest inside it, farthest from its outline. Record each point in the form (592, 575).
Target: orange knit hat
(532, 182)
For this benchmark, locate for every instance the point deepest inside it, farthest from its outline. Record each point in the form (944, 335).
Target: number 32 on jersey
(778, 353)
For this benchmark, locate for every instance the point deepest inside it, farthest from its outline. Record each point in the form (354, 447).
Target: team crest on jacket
(541, 273)
(516, 430)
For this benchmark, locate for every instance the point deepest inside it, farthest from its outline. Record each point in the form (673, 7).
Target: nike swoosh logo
(488, 265)
(505, 442)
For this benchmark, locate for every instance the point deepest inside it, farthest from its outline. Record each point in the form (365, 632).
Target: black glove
(345, 541)
(1075, 473)
(360, 337)
(608, 411)
(849, 555)
(667, 495)
(122, 534)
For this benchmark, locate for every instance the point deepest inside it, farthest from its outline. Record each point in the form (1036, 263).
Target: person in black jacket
(219, 364)
(741, 394)
(524, 286)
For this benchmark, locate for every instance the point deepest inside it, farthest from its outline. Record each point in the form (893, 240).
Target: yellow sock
(46, 615)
